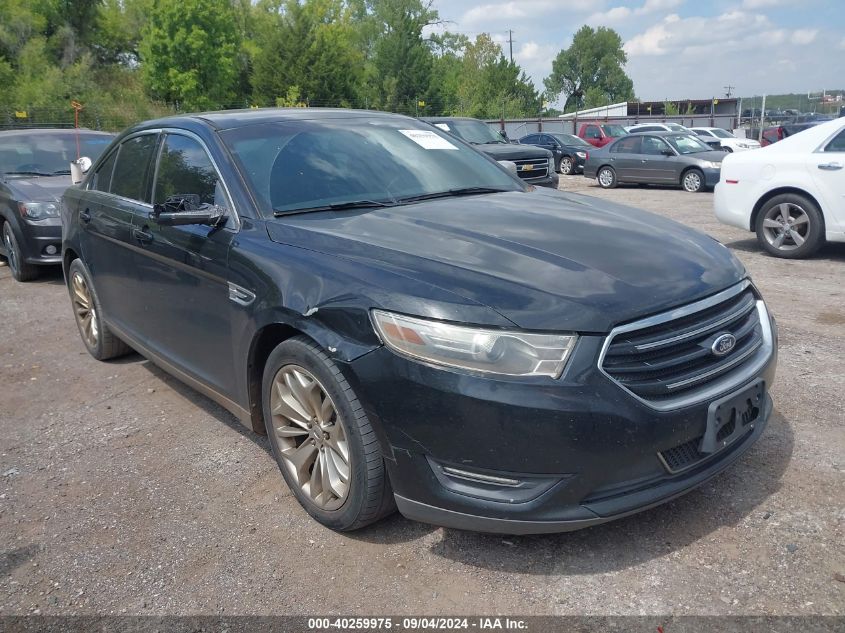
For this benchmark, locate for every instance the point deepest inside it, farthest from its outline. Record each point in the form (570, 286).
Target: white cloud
(521, 10)
(616, 14)
(619, 14)
(804, 36)
(760, 4)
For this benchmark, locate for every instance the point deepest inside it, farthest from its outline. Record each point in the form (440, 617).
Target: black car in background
(533, 165)
(414, 327)
(34, 172)
(569, 151)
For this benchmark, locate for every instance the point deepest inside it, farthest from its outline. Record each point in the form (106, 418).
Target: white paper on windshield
(442, 126)
(427, 139)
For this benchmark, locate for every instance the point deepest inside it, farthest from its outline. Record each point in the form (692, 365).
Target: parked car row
(398, 312)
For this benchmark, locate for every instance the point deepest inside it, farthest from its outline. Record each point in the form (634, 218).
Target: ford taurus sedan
(34, 172)
(656, 158)
(414, 327)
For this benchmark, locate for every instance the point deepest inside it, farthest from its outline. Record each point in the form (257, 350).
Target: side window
(102, 177)
(837, 144)
(628, 145)
(704, 133)
(131, 178)
(547, 140)
(185, 168)
(654, 146)
(530, 139)
(592, 132)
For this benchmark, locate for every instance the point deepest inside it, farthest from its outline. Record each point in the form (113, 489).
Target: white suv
(657, 127)
(728, 141)
(791, 193)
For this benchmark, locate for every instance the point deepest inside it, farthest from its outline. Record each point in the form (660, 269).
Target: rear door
(118, 191)
(654, 165)
(183, 270)
(827, 168)
(625, 159)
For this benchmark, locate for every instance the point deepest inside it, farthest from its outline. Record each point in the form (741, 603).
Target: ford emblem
(723, 344)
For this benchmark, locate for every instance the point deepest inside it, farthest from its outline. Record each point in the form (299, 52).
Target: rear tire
(692, 180)
(606, 178)
(98, 339)
(21, 271)
(790, 226)
(319, 433)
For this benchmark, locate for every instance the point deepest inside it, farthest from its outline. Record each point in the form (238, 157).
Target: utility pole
(510, 43)
(728, 90)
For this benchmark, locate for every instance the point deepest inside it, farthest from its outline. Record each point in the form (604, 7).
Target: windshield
(688, 144)
(299, 165)
(475, 132)
(614, 130)
(721, 133)
(45, 154)
(569, 139)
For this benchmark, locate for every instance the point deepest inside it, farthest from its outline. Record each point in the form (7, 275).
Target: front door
(183, 270)
(655, 165)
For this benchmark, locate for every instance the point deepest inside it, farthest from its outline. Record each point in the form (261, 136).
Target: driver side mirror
(78, 169)
(667, 152)
(185, 209)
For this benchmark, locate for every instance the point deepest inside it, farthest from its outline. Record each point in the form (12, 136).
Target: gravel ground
(123, 491)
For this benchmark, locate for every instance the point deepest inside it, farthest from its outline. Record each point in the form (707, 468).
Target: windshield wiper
(27, 173)
(335, 206)
(460, 191)
(61, 172)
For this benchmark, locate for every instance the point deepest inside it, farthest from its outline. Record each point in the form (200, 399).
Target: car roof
(45, 131)
(227, 119)
(663, 133)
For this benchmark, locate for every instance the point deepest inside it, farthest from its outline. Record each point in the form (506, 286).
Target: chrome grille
(669, 357)
(531, 168)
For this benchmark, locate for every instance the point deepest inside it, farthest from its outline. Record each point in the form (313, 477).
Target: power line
(728, 90)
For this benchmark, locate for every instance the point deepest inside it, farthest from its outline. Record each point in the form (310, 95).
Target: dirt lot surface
(123, 491)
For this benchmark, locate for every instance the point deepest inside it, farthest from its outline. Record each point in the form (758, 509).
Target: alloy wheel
(311, 436)
(11, 249)
(692, 181)
(84, 310)
(605, 178)
(566, 166)
(786, 226)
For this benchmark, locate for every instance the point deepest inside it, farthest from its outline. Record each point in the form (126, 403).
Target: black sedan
(656, 158)
(34, 172)
(413, 326)
(570, 151)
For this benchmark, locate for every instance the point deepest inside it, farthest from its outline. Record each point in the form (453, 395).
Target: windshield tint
(292, 165)
(41, 153)
(614, 130)
(476, 132)
(721, 133)
(569, 139)
(688, 144)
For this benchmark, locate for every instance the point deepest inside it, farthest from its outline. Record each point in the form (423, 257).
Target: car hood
(509, 151)
(544, 260)
(38, 189)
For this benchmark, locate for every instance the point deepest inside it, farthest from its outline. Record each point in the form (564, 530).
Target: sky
(677, 49)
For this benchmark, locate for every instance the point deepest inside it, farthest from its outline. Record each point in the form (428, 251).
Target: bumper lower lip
(599, 512)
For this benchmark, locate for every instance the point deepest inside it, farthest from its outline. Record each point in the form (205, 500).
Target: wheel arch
(758, 206)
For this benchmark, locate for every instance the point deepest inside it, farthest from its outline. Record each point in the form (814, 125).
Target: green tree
(189, 53)
(310, 46)
(591, 71)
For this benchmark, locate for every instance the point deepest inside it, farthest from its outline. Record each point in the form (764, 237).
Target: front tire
(692, 180)
(606, 178)
(566, 165)
(21, 271)
(790, 226)
(322, 440)
(99, 340)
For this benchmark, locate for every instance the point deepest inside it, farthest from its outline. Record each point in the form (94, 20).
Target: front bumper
(33, 239)
(550, 180)
(711, 176)
(582, 449)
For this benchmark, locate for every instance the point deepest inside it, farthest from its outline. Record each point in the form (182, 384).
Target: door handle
(830, 166)
(643, 160)
(145, 237)
(85, 216)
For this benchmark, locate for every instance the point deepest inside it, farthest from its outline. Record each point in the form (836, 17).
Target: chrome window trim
(717, 387)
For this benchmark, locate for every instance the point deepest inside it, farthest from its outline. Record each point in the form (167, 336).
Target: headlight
(38, 210)
(712, 165)
(581, 154)
(476, 349)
